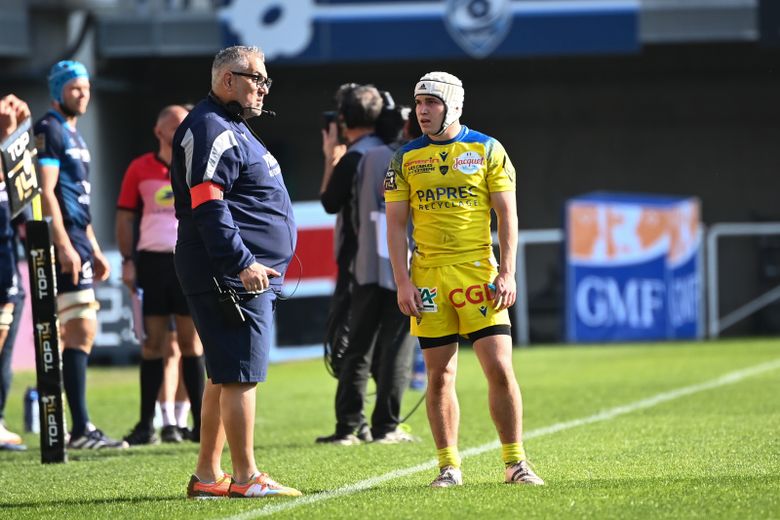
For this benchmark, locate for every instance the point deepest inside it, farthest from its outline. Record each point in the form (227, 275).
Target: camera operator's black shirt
(337, 197)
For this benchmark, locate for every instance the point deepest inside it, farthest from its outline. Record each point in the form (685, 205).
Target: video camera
(390, 124)
(328, 117)
(332, 116)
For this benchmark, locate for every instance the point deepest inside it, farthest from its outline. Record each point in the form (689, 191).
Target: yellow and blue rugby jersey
(448, 186)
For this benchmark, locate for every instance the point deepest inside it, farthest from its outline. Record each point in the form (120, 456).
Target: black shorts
(493, 330)
(156, 275)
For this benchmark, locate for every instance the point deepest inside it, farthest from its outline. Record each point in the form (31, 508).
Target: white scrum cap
(446, 87)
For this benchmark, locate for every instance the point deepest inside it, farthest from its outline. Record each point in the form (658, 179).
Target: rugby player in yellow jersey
(448, 180)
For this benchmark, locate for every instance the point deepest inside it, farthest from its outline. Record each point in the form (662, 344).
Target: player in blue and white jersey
(236, 235)
(64, 162)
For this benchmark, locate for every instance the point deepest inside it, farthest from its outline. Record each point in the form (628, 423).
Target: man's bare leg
(238, 415)
(506, 403)
(506, 406)
(441, 400)
(212, 435)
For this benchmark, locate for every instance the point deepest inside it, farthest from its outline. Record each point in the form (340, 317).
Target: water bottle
(419, 377)
(32, 422)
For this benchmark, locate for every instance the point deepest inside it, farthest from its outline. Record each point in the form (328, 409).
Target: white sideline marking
(605, 415)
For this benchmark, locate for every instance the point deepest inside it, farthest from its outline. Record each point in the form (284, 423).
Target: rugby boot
(521, 473)
(205, 490)
(448, 476)
(260, 486)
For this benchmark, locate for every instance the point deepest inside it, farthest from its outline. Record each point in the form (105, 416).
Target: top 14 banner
(359, 30)
(633, 268)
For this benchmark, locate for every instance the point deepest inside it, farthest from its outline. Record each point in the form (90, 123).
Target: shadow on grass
(407, 484)
(157, 450)
(87, 501)
(608, 483)
(260, 446)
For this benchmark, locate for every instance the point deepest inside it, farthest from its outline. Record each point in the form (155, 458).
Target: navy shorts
(81, 244)
(10, 282)
(234, 353)
(156, 275)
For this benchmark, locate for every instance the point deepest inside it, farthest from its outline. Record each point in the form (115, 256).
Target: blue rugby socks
(74, 379)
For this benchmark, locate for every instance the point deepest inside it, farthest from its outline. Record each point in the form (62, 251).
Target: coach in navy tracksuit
(236, 230)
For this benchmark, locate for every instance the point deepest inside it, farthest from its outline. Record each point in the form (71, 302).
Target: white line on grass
(605, 415)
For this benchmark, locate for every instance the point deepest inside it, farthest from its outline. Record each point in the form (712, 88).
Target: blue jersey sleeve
(48, 141)
(213, 154)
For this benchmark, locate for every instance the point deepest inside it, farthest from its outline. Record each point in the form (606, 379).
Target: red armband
(205, 192)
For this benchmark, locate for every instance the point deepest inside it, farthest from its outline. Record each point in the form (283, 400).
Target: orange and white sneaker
(261, 485)
(204, 490)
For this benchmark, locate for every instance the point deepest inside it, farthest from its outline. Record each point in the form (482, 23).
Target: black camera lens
(328, 117)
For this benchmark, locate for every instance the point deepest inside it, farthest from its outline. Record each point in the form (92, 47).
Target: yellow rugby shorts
(457, 299)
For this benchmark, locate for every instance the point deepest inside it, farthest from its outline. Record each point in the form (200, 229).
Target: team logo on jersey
(84, 197)
(478, 26)
(164, 197)
(421, 165)
(428, 295)
(468, 162)
(444, 169)
(273, 164)
(40, 142)
(86, 271)
(390, 184)
(78, 154)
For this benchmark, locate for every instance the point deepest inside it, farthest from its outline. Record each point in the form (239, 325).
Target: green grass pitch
(608, 427)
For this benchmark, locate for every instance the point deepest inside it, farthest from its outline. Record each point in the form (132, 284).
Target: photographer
(353, 123)
(379, 340)
(359, 107)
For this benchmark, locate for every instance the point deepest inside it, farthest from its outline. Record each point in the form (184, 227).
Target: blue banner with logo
(344, 30)
(632, 268)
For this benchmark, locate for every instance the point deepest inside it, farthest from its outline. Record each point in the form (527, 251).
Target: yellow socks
(512, 453)
(448, 456)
